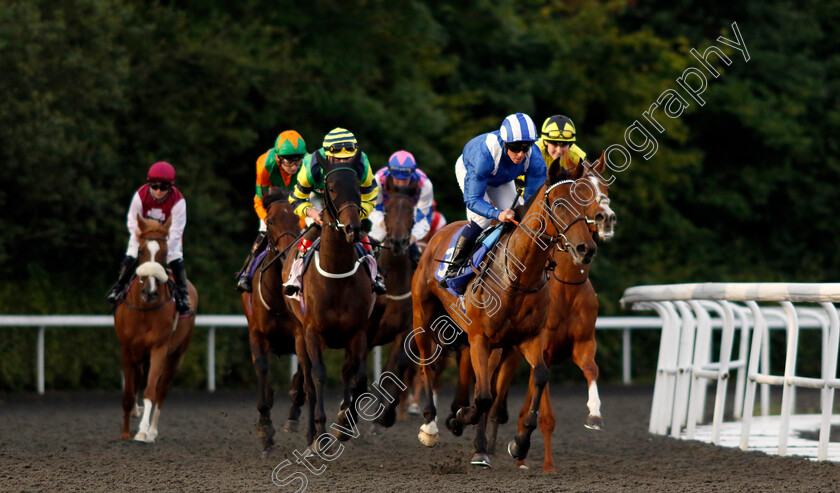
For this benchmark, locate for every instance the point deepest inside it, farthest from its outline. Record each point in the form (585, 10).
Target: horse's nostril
(582, 249)
(599, 218)
(613, 218)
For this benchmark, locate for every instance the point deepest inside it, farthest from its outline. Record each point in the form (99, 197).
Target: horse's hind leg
(297, 394)
(533, 352)
(584, 356)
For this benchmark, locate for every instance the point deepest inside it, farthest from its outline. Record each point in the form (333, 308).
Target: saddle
(485, 242)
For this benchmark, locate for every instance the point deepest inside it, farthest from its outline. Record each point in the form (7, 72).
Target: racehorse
(391, 316)
(570, 325)
(336, 294)
(150, 329)
(508, 314)
(270, 327)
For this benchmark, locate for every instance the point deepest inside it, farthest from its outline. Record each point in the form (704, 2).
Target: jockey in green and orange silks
(277, 168)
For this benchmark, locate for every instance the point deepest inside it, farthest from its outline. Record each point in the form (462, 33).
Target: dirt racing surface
(207, 442)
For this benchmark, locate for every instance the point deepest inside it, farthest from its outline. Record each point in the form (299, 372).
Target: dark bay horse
(570, 325)
(270, 327)
(336, 293)
(391, 317)
(506, 312)
(150, 329)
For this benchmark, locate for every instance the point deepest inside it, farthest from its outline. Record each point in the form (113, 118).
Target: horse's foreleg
(583, 354)
(499, 412)
(547, 423)
(306, 366)
(428, 435)
(319, 377)
(260, 354)
(483, 399)
(297, 394)
(354, 375)
(129, 401)
(462, 392)
(533, 352)
(397, 362)
(157, 361)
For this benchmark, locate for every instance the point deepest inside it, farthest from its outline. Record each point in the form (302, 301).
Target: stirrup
(290, 290)
(244, 284)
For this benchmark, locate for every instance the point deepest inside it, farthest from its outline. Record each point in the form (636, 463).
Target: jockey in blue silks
(486, 171)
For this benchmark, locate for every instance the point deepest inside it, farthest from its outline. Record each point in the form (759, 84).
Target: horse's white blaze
(154, 248)
(594, 403)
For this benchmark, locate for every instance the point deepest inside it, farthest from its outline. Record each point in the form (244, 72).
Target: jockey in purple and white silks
(402, 168)
(486, 171)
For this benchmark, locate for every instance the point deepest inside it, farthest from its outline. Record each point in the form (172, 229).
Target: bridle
(330, 206)
(409, 226)
(160, 303)
(560, 237)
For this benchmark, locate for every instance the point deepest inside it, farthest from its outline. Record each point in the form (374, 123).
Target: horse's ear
(357, 164)
(577, 171)
(555, 171)
(322, 160)
(389, 184)
(168, 222)
(600, 165)
(142, 223)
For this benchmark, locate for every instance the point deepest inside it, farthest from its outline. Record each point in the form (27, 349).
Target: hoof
(428, 434)
(137, 411)
(413, 409)
(455, 426)
(594, 422)
(480, 460)
(516, 451)
(427, 439)
(143, 437)
(520, 464)
(291, 426)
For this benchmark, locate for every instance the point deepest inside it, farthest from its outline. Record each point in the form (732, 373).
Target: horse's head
(343, 196)
(281, 222)
(152, 256)
(566, 216)
(399, 216)
(599, 215)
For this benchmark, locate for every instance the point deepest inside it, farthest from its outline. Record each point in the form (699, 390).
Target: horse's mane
(276, 194)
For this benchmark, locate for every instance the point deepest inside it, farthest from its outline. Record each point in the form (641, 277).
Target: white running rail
(685, 365)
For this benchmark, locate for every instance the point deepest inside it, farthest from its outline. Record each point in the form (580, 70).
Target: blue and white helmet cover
(518, 127)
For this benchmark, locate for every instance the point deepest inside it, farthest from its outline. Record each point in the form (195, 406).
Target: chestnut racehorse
(570, 324)
(270, 327)
(150, 329)
(507, 312)
(336, 293)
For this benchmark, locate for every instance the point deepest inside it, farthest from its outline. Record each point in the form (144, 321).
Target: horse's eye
(331, 188)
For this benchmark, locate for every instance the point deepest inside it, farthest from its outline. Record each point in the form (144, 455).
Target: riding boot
(129, 264)
(293, 283)
(459, 258)
(243, 283)
(182, 297)
(378, 285)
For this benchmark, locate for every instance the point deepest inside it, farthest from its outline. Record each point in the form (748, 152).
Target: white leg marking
(142, 433)
(594, 403)
(153, 428)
